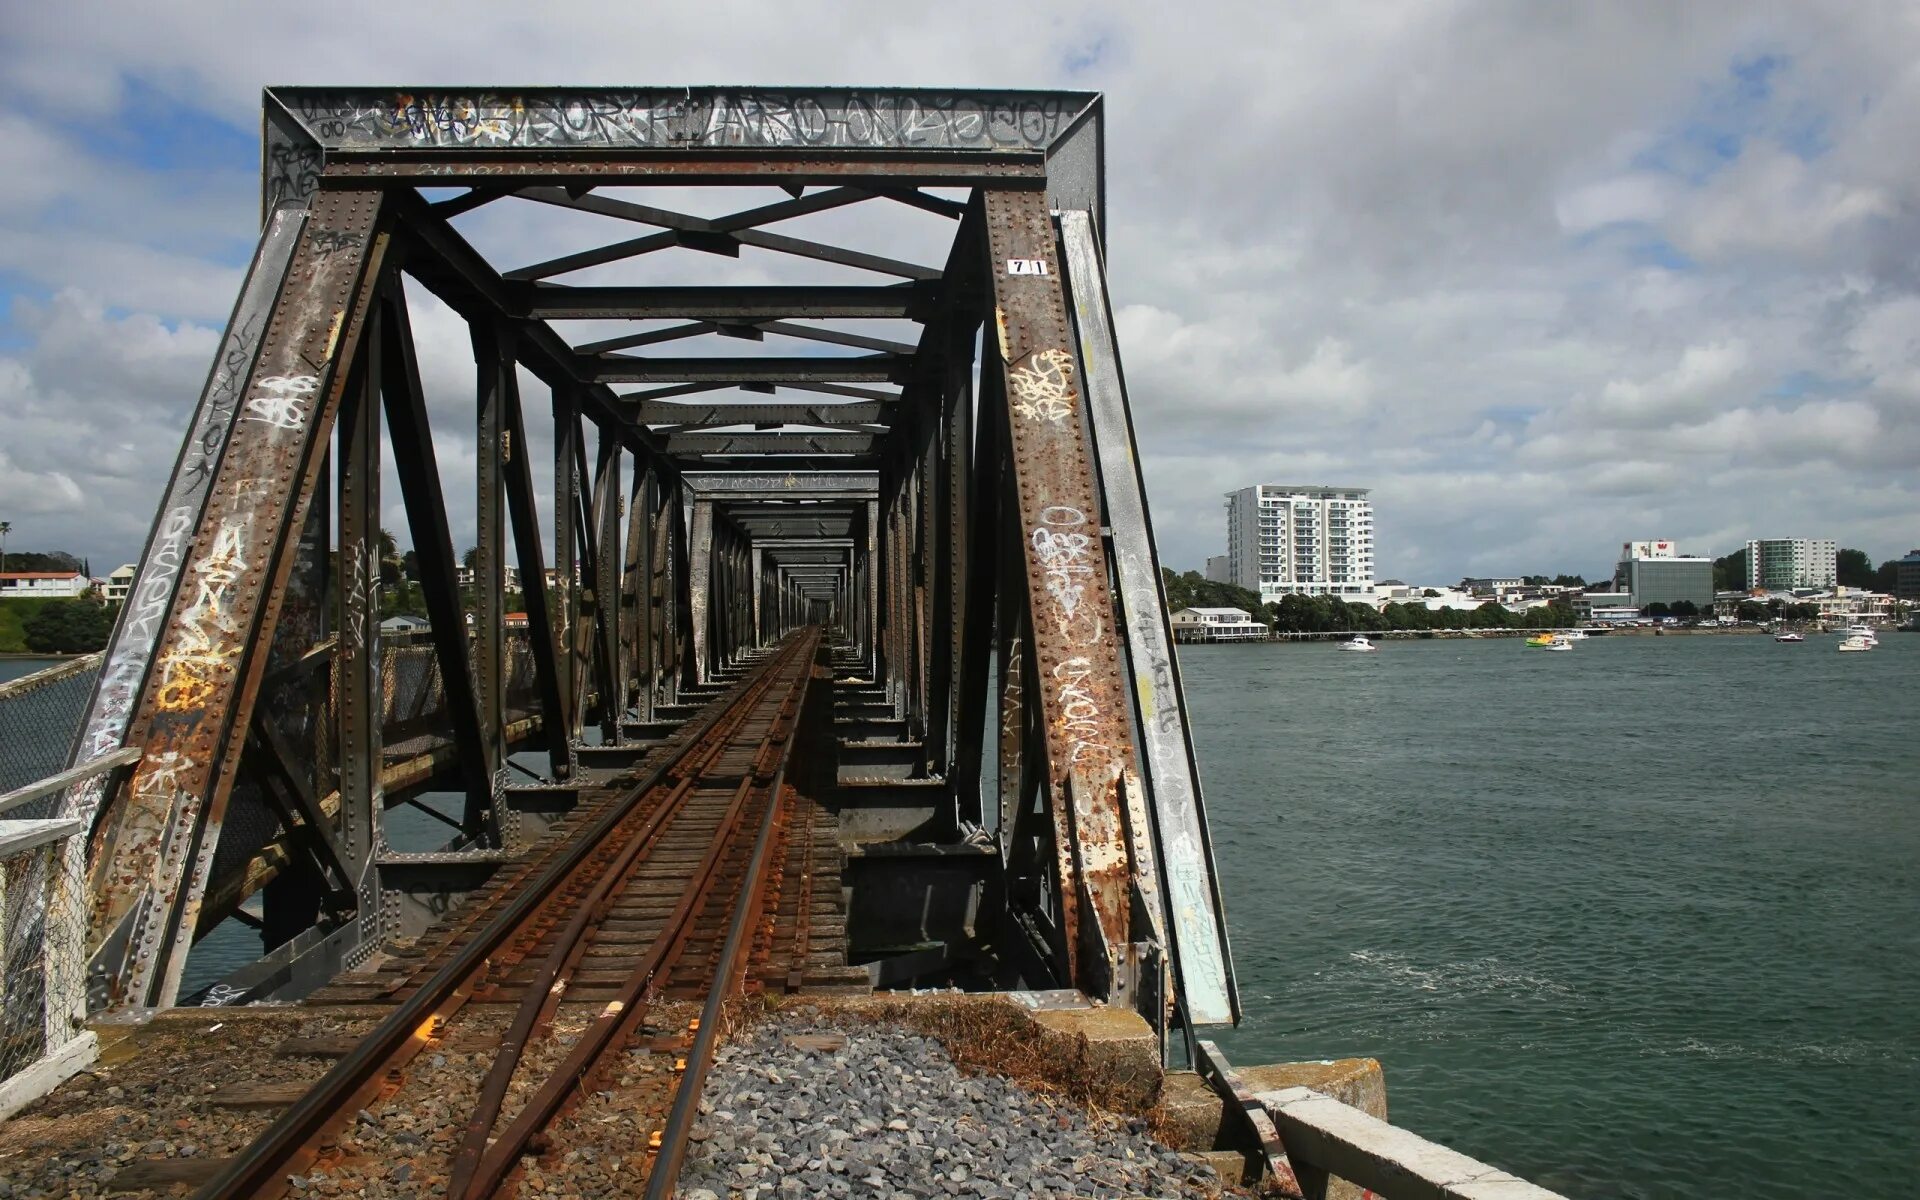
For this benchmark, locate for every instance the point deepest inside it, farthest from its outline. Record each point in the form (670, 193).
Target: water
(14, 668)
(1641, 920)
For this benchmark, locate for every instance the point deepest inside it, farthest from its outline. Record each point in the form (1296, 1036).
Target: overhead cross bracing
(741, 361)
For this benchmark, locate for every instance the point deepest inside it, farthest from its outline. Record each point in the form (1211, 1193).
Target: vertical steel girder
(566, 555)
(606, 582)
(415, 463)
(1196, 915)
(701, 585)
(545, 630)
(1087, 737)
(490, 544)
(360, 675)
(195, 710)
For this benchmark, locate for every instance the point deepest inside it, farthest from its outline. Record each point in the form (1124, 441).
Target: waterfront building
(1216, 625)
(1308, 540)
(1655, 572)
(1776, 563)
(1906, 576)
(119, 583)
(1218, 568)
(43, 585)
(1604, 606)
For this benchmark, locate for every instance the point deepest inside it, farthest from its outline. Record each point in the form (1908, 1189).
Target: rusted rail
(742, 746)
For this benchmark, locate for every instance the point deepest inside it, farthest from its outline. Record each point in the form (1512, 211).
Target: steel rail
(260, 1168)
(613, 1026)
(665, 1174)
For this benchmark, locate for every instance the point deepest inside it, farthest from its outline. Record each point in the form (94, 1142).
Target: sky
(1544, 277)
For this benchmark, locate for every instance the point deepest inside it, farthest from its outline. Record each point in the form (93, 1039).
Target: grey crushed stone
(889, 1115)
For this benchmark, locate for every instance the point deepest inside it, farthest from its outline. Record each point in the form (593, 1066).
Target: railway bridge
(811, 640)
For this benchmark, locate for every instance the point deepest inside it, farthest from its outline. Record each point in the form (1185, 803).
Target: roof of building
(41, 575)
(1217, 611)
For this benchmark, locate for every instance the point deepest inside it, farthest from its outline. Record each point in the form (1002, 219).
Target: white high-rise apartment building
(1791, 563)
(1310, 540)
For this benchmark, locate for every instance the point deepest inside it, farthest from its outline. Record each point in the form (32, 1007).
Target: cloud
(1545, 278)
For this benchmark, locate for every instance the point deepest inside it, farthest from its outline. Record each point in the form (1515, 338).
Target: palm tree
(6, 527)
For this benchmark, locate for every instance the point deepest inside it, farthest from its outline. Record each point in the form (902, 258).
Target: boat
(1542, 640)
(1788, 637)
(1857, 645)
(1573, 635)
(1357, 642)
(1859, 631)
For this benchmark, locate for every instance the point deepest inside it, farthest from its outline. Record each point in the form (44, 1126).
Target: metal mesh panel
(41, 918)
(38, 716)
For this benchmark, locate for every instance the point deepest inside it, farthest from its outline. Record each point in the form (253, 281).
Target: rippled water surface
(1641, 920)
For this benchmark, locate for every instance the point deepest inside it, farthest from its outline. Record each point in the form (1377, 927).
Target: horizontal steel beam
(1000, 171)
(769, 443)
(681, 119)
(798, 465)
(863, 368)
(550, 301)
(696, 415)
(859, 485)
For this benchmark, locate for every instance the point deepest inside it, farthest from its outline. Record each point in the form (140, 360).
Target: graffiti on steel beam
(1043, 386)
(1065, 556)
(283, 400)
(681, 118)
(208, 636)
(1080, 713)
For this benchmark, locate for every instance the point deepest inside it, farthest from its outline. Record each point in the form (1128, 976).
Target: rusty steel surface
(1089, 744)
(197, 701)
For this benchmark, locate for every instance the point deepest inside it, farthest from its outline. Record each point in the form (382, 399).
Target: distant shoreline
(1431, 635)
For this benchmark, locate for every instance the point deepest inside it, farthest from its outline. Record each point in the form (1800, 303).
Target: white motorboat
(1358, 642)
(1788, 637)
(1573, 635)
(1857, 645)
(1859, 632)
(1560, 642)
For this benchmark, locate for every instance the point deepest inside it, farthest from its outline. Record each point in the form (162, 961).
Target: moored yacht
(1358, 642)
(1788, 636)
(1857, 645)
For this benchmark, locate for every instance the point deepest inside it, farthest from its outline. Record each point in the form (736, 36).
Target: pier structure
(844, 663)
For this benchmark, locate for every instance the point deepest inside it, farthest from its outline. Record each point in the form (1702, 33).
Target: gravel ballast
(810, 1105)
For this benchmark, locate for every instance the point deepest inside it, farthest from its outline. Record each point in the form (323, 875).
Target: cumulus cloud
(1544, 278)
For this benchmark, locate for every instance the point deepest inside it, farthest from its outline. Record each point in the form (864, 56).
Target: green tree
(1750, 610)
(1887, 576)
(1659, 608)
(1685, 608)
(69, 627)
(1730, 572)
(1852, 568)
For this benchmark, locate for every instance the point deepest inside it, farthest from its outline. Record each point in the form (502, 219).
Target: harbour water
(1638, 921)
(1642, 920)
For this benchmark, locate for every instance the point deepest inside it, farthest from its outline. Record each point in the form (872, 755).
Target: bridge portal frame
(999, 536)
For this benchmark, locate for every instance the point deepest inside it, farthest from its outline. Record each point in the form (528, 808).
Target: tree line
(1330, 614)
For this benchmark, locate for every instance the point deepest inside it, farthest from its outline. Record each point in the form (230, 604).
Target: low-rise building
(1609, 607)
(43, 585)
(404, 623)
(1216, 625)
(120, 582)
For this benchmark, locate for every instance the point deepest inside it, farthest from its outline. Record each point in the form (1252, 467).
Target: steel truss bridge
(932, 461)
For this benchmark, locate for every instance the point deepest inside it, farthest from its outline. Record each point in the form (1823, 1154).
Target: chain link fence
(39, 715)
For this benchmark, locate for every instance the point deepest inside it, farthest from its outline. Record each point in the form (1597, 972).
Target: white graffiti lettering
(1064, 558)
(207, 633)
(1079, 711)
(1043, 386)
(282, 400)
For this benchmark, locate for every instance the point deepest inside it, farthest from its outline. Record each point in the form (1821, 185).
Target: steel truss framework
(987, 555)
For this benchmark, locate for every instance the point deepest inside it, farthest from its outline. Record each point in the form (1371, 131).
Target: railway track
(668, 892)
